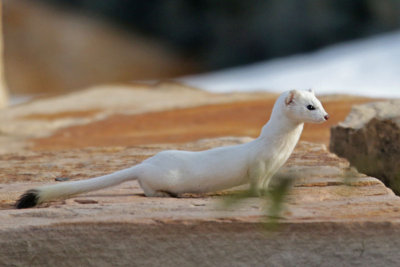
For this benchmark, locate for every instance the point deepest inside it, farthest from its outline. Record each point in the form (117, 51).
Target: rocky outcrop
(370, 139)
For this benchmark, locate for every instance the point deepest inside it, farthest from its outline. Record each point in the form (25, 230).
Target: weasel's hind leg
(150, 192)
(161, 193)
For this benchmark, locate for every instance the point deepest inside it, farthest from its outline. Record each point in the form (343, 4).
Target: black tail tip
(28, 200)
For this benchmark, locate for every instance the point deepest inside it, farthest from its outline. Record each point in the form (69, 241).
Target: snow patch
(369, 67)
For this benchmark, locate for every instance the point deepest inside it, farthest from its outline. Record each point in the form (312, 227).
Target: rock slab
(370, 139)
(332, 216)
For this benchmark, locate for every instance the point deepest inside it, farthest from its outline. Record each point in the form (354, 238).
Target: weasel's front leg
(256, 174)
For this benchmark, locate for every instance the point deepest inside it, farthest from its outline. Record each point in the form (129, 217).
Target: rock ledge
(331, 215)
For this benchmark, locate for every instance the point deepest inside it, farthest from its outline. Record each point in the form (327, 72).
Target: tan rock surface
(322, 177)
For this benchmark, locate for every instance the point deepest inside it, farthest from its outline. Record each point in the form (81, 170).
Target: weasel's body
(173, 172)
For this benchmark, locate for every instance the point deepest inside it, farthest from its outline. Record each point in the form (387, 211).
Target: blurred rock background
(3, 89)
(63, 45)
(49, 49)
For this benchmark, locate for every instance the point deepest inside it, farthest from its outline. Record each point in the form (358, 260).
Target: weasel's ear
(290, 97)
(311, 91)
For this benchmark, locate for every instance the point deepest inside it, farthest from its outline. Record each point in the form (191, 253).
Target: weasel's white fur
(174, 172)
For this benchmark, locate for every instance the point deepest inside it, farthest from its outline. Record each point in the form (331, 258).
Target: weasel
(173, 172)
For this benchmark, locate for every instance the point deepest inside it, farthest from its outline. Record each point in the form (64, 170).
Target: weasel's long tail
(47, 193)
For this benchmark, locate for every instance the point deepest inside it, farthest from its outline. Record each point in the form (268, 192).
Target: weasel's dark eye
(310, 107)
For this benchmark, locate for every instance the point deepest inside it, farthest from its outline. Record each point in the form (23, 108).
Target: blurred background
(53, 46)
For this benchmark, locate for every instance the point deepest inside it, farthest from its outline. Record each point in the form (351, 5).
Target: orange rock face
(242, 118)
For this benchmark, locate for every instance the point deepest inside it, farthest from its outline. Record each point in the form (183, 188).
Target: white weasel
(173, 172)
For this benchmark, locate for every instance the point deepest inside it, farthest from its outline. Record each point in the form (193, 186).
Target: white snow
(369, 67)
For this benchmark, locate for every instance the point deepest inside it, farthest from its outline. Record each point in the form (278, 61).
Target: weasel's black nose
(326, 117)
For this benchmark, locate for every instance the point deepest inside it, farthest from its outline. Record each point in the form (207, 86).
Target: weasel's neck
(281, 128)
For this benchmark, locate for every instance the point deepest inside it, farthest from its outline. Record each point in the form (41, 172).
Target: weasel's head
(303, 106)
